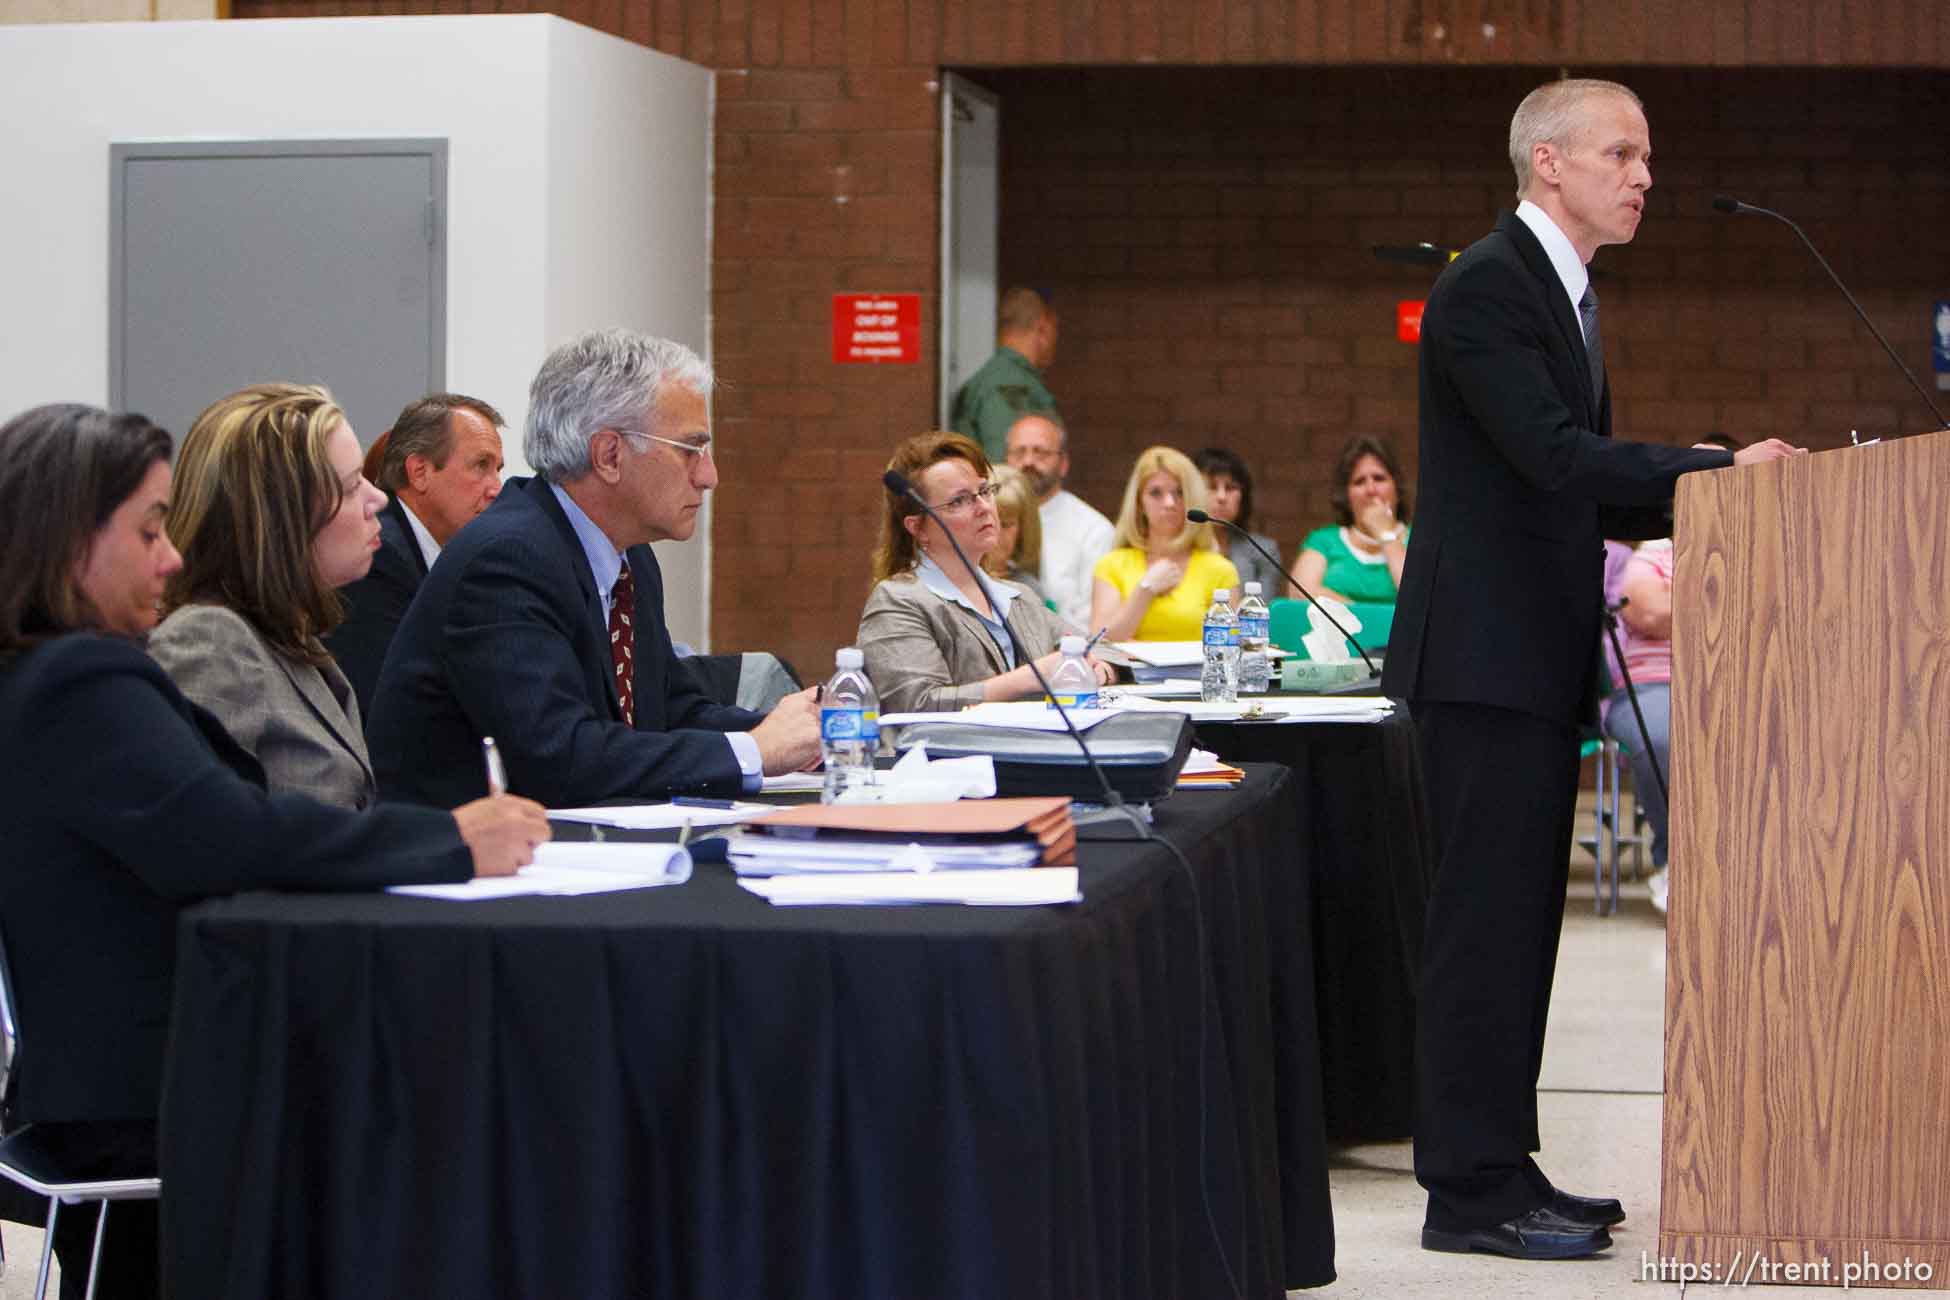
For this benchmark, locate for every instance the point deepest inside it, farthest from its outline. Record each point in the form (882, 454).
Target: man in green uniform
(1010, 384)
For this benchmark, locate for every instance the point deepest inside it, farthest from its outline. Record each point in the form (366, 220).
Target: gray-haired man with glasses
(543, 623)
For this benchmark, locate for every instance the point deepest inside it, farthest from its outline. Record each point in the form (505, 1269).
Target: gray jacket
(302, 723)
(927, 654)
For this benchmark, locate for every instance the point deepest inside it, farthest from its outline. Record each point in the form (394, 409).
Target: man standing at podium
(1496, 648)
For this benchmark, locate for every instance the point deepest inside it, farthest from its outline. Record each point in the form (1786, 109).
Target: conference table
(687, 1092)
(1366, 847)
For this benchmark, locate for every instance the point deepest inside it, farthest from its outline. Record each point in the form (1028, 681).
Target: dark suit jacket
(376, 603)
(120, 803)
(507, 639)
(1520, 482)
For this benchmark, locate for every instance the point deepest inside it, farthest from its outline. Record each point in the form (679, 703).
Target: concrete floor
(1599, 1105)
(1600, 1111)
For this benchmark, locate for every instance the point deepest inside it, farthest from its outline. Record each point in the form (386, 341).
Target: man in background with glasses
(543, 623)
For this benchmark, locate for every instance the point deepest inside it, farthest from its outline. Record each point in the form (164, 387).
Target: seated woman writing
(1157, 582)
(931, 641)
(273, 514)
(123, 802)
(1019, 546)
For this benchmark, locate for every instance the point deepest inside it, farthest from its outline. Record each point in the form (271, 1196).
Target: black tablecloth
(685, 1092)
(1366, 845)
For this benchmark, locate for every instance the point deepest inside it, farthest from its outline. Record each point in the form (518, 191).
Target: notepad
(568, 868)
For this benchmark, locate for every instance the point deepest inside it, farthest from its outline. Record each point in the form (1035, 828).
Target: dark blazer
(120, 803)
(1519, 484)
(507, 639)
(376, 603)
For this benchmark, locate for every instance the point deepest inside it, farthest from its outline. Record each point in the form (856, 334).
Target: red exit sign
(876, 328)
(1408, 321)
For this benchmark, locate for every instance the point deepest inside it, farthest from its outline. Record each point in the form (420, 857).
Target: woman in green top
(1360, 559)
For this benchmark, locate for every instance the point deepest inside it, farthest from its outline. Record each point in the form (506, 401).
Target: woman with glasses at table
(930, 639)
(272, 512)
(1157, 582)
(122, 802)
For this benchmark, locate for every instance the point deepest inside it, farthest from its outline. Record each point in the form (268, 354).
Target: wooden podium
(1807, 1069)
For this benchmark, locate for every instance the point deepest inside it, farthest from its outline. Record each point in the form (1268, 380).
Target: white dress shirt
(1564, 257)
(1075, 537)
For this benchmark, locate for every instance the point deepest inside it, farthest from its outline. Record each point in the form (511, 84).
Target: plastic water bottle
(849, 727)
(1255, 629)
(1218, 678)
(1074, 683)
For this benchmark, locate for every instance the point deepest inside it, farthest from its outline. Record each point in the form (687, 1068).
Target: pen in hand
(497, 775)
(1091, 644)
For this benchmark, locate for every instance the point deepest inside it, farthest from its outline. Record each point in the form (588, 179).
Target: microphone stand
(1202, 517)
(1632, 694)
(897, 483)
(1724, 203)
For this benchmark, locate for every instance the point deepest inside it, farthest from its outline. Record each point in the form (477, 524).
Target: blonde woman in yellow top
(1158, 580)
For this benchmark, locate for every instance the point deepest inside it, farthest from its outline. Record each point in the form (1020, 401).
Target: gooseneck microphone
(1201, 517)
(897, 483)
(1726, 203)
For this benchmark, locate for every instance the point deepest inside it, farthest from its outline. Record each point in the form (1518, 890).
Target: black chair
(30, 1159)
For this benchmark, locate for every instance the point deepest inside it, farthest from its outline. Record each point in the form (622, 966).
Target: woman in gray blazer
(930, 642)
(272, 514)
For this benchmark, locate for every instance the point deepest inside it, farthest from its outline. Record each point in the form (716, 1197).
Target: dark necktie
(622, 641)
(1594, 346)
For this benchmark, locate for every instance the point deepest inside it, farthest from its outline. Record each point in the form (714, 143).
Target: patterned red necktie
(622, 641)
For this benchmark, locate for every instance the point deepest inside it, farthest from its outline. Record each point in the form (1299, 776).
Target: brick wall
(1206, 232)
(1206, 236)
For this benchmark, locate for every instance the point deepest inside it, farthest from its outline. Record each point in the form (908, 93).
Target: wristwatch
(1392, 535)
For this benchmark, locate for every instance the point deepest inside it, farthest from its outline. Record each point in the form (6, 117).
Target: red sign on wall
(876, 328)
(1408, 321)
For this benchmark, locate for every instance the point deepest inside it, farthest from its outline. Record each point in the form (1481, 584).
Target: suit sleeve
(216, 660)
(907, 666)
(124, 768)
(1492, 350)
(508, 648)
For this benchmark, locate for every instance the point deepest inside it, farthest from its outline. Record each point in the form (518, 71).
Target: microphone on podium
(1727, 203)
(1201, 517)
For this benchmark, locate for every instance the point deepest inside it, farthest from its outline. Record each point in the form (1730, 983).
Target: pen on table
(497, 775)
(693, 801)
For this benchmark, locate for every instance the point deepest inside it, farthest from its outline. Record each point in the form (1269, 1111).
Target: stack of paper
(1284, 708)
(920, 837)
(1158, 661)
(1029, 888)
(663, 816)
(1204, 771)
(562, 868)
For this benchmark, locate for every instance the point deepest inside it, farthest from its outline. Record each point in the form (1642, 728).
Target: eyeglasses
(963, 502)
(701, 448)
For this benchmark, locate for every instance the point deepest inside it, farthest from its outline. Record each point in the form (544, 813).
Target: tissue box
(1306, 675)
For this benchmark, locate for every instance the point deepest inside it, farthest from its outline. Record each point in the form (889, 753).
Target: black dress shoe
(1591, 1211)
(1539, 1234)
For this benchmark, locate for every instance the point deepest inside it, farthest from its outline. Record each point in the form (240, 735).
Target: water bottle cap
(1252, 589)
(1223, 593)
(850, 657)
(1071, 645)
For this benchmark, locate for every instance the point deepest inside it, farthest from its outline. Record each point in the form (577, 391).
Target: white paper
(662, 816)
(562, 868)
(774, 855)
(1029, 887)
(1300, 708)
(1177, 654)
(1032, 715)
(795, 783)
